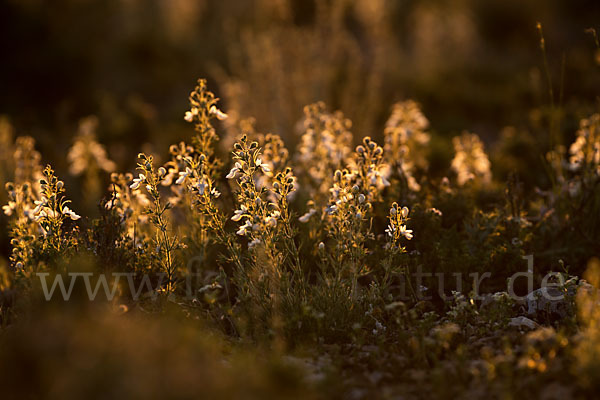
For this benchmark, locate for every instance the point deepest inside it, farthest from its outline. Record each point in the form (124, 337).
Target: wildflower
(137, 181)
(183, 175)
(344, 219)
(585, 151)
(28, 169)
(238, 214)
(202, 110)
(325, 146)
(129, 202)
(407, 233)
(190, 115)
(405, 137)
(470, 161)
(10, 208)
(368, 167)
(52, 210)
(304, 218)
(217, 113)
(259, 164)
(179, 153)
(243, 230)
(261, 217)
(165, 243)
(397, 229)
(233, 173)
(87, 154)
(70, 213)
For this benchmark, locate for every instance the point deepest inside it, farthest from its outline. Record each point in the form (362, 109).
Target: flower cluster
(259, 215)
(203, 109)
(284, 186)
(27, 162)
(177, 172)
(52, 211)
(24, 228)
(347, 212)
(369, 166)
(396, 230)
(585, 151)
(405, 136)
(166, 244)
(52, 204)
(275, 155)
(23, 195)
(196, 180)
(128, 203)
(470, 162)
(325, 147)
(86, 153)
(177, 164)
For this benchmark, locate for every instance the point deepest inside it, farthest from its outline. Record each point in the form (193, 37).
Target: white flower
(189, 115)
(390, 231)
(306, 217)
(238, 214)
(236, 168)
(201, 186)
(264, 167)
(137, 181)
(407, 233)
(244, 228)
(70, 213)
(217, 113)
(39, 205)
(183, 175)
(9, 208)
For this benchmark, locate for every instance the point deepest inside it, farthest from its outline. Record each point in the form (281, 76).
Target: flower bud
(404, 212)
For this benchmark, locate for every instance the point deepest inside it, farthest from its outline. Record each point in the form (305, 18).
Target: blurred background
(472, 64)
